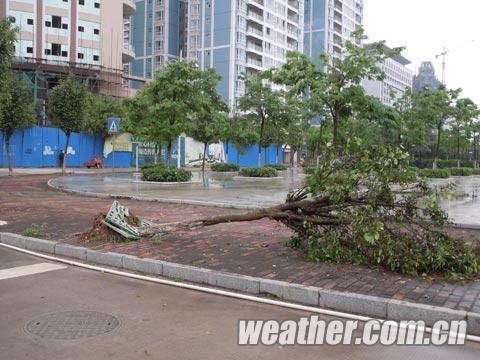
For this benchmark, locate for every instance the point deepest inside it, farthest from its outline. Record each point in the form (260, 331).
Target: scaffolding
(43, 75)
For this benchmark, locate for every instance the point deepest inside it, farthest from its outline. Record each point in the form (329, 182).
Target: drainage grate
(72, 325)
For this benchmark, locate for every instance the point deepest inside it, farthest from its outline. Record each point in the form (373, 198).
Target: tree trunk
(475, 150)
(262, 126)
(65, 155)
(335, 136)
(204, 154)
(292, 156)
(437, 147)
(169, 153)
(9, 154)
(458, 148)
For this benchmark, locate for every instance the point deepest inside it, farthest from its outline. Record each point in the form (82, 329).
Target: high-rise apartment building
(328, 23)
(236, 37)
(426, 77)
(154, 30)
(81, 36)
(398, 79)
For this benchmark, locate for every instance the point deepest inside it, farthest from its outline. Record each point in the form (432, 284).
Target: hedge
(445, 173)
(264, 172)
(309, 170)
(441, 164)
(435, 173)
(224, 167)
(164, 174)
(278, 167)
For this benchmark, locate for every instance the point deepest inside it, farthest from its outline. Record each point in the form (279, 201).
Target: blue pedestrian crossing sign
(113, 125)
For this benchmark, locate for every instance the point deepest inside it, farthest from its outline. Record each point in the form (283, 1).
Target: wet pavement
(231, 190)
(46, 316)
(216, 188)
(256, 248)
(464, 207)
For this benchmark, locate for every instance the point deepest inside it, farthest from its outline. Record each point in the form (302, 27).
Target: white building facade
(398, 79)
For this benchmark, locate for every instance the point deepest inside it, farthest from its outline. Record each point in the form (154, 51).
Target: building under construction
(81, 37)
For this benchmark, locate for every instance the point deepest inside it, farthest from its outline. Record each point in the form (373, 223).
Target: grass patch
(36, 230)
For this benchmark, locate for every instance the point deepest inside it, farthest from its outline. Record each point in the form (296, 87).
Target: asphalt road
(155, 321)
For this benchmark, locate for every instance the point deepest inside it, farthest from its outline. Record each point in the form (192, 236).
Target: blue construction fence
(248, 156)
(39, 147)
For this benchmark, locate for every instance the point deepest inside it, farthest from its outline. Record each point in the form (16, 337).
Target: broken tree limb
(293, 214)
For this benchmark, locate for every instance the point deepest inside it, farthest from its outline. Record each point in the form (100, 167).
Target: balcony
(129, 7)
(254, 63)
(294, 4)
(254, 16)
(128, 53)
(254, 31)
(254, 47)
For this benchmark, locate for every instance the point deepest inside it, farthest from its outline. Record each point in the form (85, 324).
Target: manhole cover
(72, 325)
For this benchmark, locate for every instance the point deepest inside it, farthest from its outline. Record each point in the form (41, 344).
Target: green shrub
(224, 167)
(278, 167)
(461, 171)
(36, 230)
(164, 174)
(441, 164)
(476, 171)
(435, 173)
(258, 172)
(150, 166)
(309, 170)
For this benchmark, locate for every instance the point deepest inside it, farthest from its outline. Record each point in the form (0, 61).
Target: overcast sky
(424, 27)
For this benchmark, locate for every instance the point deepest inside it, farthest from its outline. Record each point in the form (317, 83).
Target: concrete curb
(160, 200)
(369, 306)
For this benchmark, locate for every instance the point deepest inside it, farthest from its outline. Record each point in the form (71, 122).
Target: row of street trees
(71, 107)
(275, 110)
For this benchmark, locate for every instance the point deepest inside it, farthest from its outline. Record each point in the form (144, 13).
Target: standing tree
(99, 109)
(475, 127)
(8, 36)
(263, 106)
(67, 106)
(16, 105)
(240, 132)
(436, 108)
(209, 119)
(161, 111)
(17, 111)
(338, 86)
(464, 113)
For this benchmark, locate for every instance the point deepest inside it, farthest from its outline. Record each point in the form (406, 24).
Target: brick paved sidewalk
(255, 249)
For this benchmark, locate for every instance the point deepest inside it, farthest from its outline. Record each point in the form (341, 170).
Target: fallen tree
(365, 207)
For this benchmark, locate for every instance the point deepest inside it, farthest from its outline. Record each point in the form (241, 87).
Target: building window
(30, 21)
(64, 53)
(96, 58)
(97, 5)
(48, 24)
(12, 19)
(48, 52)
(81, 29)
(56, 49)
(80, 55)
(65, 26)
(81, 2)
(29, 50)
(96, 31)
(56, 22)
